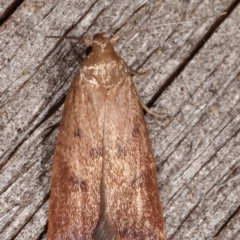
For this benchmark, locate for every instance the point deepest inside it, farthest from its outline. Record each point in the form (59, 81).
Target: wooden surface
(193, 75)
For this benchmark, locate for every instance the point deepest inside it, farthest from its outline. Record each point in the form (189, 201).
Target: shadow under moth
(104, 183)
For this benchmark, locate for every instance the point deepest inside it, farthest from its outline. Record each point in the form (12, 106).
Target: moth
(104, 183)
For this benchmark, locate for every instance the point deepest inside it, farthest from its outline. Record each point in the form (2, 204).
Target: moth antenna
(65, 37)
(171, 23)
(84, 40)
(116, 38)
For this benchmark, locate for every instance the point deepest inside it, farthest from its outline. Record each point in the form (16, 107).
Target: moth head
(100, 37)
(100, 43)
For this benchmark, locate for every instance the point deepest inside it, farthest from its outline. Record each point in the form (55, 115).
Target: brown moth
(104, 183)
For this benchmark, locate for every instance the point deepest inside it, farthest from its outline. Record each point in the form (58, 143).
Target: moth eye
(88, 50)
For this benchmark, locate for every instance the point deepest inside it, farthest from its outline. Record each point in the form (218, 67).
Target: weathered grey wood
(197, 149)
(6, 7)
(199, 157)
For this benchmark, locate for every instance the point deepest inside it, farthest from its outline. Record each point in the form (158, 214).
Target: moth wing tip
(104, 230)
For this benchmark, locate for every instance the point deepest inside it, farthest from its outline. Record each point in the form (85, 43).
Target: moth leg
(162, 116)
(134, 73)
